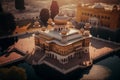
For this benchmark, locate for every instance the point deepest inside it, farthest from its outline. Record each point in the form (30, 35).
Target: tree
(5, 43)
(7, 23)
(7, 27)
(13, 73)
(1, 9)
(44, 16)
(19, 4)
(54, 8)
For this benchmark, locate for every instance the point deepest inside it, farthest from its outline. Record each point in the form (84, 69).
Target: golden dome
(43, 28)
(86, 33)
(50, 21)
(87, 26)
(61, 19)
(36, 24)
(64, 32)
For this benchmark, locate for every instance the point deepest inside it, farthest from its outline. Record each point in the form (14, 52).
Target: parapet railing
(108, 41)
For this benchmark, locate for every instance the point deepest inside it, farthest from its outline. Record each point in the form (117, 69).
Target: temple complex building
(99, 14)
(63, 42)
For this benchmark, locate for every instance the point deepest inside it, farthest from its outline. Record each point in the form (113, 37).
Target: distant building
(103, 1)
(69, 9)
(99, 15)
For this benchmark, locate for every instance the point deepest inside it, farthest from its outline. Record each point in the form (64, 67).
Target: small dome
(64, 32)
(86, 33)
(50, 21)
(98, 6)
(87, 26)
(36, 23)
(43, 28)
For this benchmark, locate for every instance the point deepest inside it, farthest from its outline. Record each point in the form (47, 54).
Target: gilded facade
(99, 15)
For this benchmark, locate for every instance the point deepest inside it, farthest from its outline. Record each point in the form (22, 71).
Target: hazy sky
(60, 2)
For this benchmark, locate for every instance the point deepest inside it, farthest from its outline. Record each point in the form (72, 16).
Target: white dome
(98, 6)
(61, 19)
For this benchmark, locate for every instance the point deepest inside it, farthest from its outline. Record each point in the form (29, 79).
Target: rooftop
(11, 57)
(99, 6)
(57, 35)
(72, 35)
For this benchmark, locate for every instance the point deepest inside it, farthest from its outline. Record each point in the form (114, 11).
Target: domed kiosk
(61, 19)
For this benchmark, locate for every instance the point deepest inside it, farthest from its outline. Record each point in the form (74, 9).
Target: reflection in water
(97, 72)
(106, 69)
(47, 73)
(113, 63)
